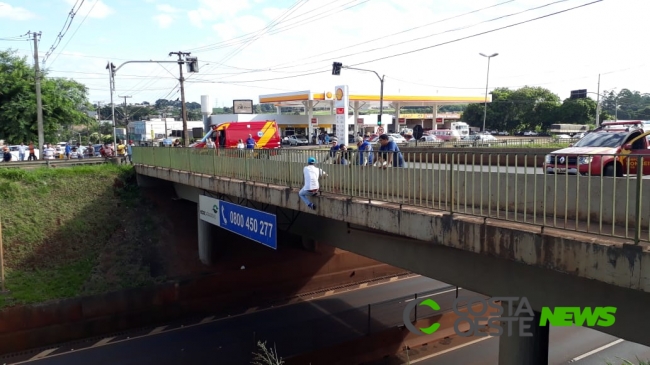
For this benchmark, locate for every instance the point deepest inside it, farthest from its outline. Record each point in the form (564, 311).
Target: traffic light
(579, 94)
(379, 119)
(192, 64)
(336, 68)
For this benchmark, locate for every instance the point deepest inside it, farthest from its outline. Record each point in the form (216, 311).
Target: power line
(64, 30)
(245, 37)
(431, 35)
(412, 40)
(477, 34)
(75, 31)
(432, 46)
(397, 33)
(23, 37)
(293, 8)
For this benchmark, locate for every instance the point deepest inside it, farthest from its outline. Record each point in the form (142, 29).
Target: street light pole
(486, 86)
(598, 104)
(186, 137)
(381, 91)
(111, 73)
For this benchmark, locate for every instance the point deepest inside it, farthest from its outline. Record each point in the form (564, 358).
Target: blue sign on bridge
(253, 224)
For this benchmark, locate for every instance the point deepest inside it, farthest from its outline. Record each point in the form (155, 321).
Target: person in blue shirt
(250, 142)
(68, 150)
(333, 150)
(365, 152)
(389, 153)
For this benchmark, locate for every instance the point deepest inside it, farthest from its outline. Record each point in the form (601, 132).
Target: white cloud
(168, 15)
(561, 52)
(15, 13)
(93, 9)
(166, 8)
(219, 9)
(195, 18)
(164, 20)
(224, 31)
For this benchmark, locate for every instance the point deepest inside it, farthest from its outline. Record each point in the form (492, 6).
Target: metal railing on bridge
(506, 186)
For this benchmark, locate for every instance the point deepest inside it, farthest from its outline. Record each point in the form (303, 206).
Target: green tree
(65, 102)
(536, 107)
(533, 108)
(578, 111)
(501, 112)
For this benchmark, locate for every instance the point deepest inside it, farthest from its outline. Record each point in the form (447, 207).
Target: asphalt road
(568, 345)
(293, 328)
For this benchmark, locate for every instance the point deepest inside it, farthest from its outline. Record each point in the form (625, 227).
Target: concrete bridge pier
(205, 238)
(527, 343)
(310, 244)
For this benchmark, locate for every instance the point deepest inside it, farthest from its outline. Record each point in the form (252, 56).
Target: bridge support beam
(310, 245)
(205, 238)
(527, 344)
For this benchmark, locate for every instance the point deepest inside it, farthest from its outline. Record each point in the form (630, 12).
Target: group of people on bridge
(387, 156)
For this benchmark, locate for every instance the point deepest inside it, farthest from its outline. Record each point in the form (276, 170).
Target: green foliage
(72, 231)
(631, 104)
(527, 108)
(64, 102)
(578, 111)
(535, 108)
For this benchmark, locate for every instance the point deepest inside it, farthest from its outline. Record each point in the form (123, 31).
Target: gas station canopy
(321, 99)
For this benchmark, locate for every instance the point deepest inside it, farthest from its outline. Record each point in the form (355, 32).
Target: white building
(157, 129)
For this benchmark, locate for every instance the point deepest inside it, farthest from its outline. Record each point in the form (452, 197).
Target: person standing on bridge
(250, 142)
(311, 187)
(389, 153)
(365, 152)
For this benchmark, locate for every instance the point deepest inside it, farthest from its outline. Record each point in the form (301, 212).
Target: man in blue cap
(311, 187)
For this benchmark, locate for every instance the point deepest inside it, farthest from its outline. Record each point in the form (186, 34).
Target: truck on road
(614, 149)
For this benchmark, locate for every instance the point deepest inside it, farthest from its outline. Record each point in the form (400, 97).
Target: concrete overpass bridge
(491, 223)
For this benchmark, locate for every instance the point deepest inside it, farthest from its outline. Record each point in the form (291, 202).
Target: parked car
(297, 140)
(397, 138)
(430, 138)
(15, 156)
(483, 140)
(602, 152)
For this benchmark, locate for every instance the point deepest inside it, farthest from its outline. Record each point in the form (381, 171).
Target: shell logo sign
(328, 95)
(339, 93)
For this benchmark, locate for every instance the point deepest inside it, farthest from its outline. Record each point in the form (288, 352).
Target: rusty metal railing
(519, 187)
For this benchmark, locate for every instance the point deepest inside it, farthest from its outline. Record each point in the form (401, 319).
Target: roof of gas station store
(296, 99)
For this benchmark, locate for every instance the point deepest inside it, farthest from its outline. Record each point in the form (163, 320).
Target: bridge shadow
(148, 236)
(322, 331)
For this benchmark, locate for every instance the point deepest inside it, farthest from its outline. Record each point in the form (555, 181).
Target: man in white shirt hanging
(311, 187)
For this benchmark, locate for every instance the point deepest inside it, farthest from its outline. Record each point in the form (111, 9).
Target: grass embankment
(75, 231)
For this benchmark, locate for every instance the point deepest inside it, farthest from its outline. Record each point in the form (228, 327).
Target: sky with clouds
(248, 48)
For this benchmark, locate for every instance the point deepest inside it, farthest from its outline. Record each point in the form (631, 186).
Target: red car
(603, 152)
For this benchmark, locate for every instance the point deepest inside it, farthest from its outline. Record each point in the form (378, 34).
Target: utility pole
(99, 118)
(186, 137)
(126, 113)
(164, 115)
(111, 74)
(39, 102)
(598, 104)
